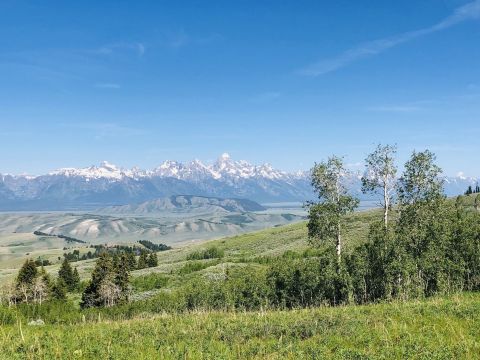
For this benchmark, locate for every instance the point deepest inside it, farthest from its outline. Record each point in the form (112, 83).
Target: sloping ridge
(185, 203)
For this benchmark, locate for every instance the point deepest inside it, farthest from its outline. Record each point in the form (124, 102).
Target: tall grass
(440, 328)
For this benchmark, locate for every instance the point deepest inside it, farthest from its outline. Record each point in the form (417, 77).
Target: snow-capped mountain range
(107, 184)
(224, 168)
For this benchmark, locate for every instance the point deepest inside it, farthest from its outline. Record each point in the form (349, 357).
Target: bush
(210, 253)
(307, 282)
(149, 282)
(194, 266)
(240, 288)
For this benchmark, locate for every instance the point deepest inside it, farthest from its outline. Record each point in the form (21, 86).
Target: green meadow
(437, 328)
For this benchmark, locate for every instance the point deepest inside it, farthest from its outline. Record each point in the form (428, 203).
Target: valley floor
(438, 328)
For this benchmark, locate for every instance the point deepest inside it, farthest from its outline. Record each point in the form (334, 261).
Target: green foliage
(59, 289)
(42, 262)
(103, 271)
(131, 262)
(308, 282)
(27, 274)
(150, 282)
(193, 266)
(380, 176)
(154, 247)
(233, 289)
(326, 217)
(152, 260)
(420, 182)
(122, 277)
(142, 261)
(67, 274)
(212, 252)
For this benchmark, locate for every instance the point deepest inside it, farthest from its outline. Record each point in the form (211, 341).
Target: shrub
(194, 266)
(149, 282)
(210, 253)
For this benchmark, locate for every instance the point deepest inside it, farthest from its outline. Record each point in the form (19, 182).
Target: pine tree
(59, 290)
(46, 278)
(142, 261)
(115, 260)
(103, 268)
(131, 262)
(66, 273)
(26, 279)
(122, 277)
(76, 279)
(27, 273)
(153, 260)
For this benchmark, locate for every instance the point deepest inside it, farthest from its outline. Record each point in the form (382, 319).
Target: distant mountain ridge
(107, 185)
(186, 204)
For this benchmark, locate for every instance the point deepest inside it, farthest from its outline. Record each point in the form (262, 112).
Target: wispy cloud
(107, 86)
(470, 11)
(137, 47)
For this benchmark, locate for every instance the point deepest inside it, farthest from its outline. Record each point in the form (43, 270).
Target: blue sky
(284, 82)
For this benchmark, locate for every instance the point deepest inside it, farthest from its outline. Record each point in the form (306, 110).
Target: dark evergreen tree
(122, 277)
(59, 290)
(66, 274)
(131, 262)
(142, 261)
(115, 260)
(76, 279)
(152, 260)
(28, 273)
(103, 268)
(45, 277)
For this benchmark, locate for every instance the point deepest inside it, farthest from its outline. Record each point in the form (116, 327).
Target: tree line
(33, 285)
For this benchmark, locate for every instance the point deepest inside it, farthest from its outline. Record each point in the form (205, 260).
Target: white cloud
(470, 11)
(136, 47)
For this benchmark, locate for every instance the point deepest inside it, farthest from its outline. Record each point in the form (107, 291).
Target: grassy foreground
(438, 328)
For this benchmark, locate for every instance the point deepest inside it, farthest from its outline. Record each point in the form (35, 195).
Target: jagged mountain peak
(107, 184)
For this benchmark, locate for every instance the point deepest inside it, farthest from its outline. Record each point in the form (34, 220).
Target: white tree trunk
(339, 244)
